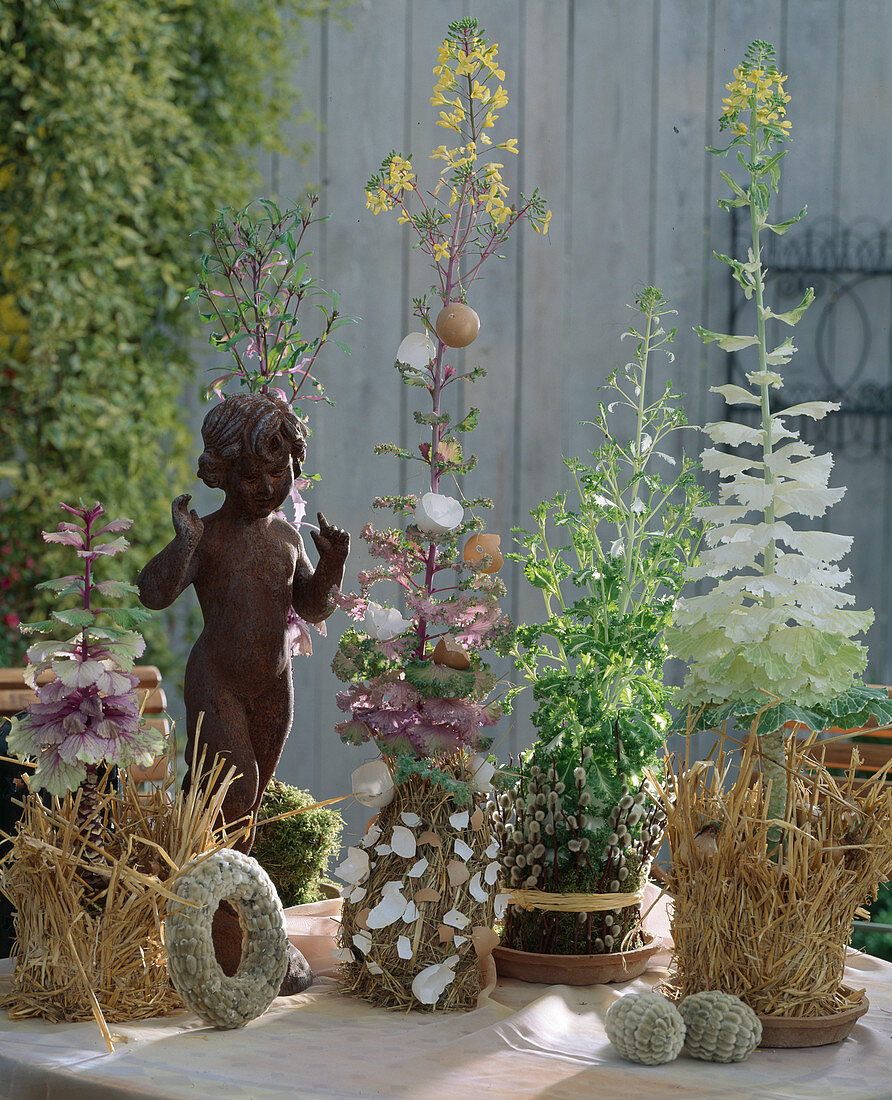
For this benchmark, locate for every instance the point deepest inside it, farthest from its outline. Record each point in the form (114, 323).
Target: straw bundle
(88, 925)
(764, 919)
(380, 974)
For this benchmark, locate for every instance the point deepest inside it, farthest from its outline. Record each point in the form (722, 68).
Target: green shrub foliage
(294, 852)
(124, 125)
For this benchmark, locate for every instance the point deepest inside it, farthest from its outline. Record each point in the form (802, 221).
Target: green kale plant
(609, 561)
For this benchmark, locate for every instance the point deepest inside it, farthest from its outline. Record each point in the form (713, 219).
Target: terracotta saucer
(617, 966)
(811, 1031)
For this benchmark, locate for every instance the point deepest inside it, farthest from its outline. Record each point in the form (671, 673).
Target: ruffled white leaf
(736, 395)
(726, 431)
(460, 820)
(720, 513)
(463, 851)
(817, 410)
(812, 471)
(403, 841)
(790, 497)
(782, 354)
(725, 464)
(456, 919)
(779, 430)
(764, 378)
(823, 545)
(428, 984)
(665, 457)
(820, 599)
(404, 947)
(418, 868)
(750, 491)
(800, 568)
(355, 867)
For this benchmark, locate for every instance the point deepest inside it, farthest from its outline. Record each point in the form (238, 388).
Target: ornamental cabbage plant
(774, 641)
(418, 708)
(87, 713)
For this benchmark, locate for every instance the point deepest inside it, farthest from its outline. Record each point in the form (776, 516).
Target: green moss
(295, 852)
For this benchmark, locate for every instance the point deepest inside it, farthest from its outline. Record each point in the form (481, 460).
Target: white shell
(411, 914)
(455, 919)
(476, 889)
(502, 901)
(493, 850)
(462, 850)
(403, 841)
(481, 771)
(459, 940)
(343, 954)
(404, 947)
(355, 867)
(436, 513)
(416, 350)
(384, 623)
(373, 967)
(363, 941)
(373, 835)
(383, 849)
(357, 894)
(460, 820)
(408, 818)
(492, 872)
(428, 985)
(418, 868)
(389, 909)
(373, 786)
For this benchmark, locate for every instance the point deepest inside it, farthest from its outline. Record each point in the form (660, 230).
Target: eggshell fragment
(416, 350)
(428, 984)
(403, 841)
(457, 325)
(436, 513)
(458, 872)
(448, 652)
(484, 545)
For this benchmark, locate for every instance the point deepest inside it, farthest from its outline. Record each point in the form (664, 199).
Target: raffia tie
(574, 903)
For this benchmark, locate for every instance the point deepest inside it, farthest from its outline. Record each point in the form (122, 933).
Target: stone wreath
(221, 1000)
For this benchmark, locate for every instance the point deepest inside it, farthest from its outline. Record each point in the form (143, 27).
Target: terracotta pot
(814, 1031)
(611, 966)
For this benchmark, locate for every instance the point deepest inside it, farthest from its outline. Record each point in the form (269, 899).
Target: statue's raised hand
(186, 522)
(332, 543)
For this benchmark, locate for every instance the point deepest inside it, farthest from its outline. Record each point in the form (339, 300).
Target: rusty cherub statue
(249, 568)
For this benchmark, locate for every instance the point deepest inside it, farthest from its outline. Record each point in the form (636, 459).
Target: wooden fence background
(612, 102)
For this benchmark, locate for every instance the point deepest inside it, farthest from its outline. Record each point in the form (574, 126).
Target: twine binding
(574, 903)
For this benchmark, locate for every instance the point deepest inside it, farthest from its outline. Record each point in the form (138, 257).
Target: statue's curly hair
(249, 423)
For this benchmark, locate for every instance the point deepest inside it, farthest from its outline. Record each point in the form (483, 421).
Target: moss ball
(294, 852)
(719, 1027)
(645, 1028)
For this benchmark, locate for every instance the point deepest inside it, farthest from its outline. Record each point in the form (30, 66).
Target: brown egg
(457, 325)
(481, 544)
(448, 652)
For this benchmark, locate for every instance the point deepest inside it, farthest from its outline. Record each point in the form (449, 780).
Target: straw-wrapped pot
(416, 929)
(763, 909)
(89, 914)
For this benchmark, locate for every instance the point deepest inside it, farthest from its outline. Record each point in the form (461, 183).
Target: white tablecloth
(523, 1041)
